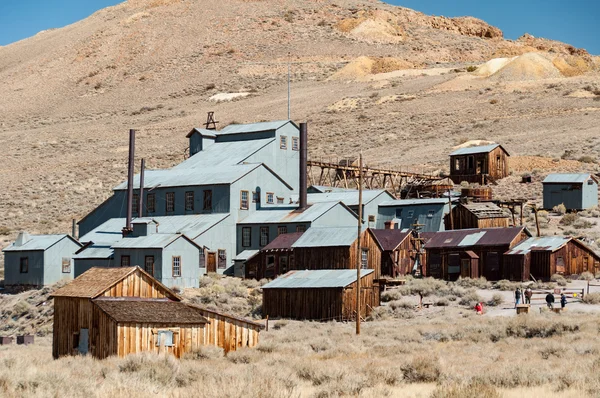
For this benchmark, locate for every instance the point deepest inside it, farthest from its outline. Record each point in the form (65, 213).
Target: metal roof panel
(475, 149)
(566, 178)
(36, 242)
(252, 127)
(224, 153)
(311, 279)
(327, 237)
(550, 243)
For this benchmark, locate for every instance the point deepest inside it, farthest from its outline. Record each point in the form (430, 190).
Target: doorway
(83, 346)
(211, 262)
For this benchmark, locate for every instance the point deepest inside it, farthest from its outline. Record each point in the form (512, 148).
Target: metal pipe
(303, 165)
(141, 198)
(74, 229)
(130, 180)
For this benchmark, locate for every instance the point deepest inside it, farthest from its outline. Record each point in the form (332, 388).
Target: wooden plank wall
(138, 284)
(135, 338)
(228, 332)
(70, 315)
(370, 298)
(367, 241)
(462, 218)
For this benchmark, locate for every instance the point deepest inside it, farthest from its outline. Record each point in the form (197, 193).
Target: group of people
(549, 298)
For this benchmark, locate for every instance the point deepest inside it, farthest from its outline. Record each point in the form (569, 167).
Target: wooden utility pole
(537, 223)
(450, 210)
(358, 248)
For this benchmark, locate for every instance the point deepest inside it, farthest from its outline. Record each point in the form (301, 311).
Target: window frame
(135, 209)
(280, 200)
(295, 143)
(283, 264)
(146, 264)
(249, 242)
(244, 204)
(173, 267)
(201, 259)
(264, 235)
(207, 200)
(283, 142)
(255, 197)
(165, 332)
(221, 259)
(128, 261)
(364, 258)
(281, 228)
(270, 198)
(301, 228)
(430, 213)
(24, 265)
(151, 202)
(66, 270)
(189, 204)
(170, 202)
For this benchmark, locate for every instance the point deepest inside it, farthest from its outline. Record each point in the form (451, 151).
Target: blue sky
(573, 21)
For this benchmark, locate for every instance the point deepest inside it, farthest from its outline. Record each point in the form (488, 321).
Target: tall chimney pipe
(303, 160)
(74, 229)
(130, 181)
(141, 198)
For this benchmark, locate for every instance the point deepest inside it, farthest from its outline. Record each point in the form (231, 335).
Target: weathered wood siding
(462, 218)
(493, 164)
(571, 259)
(135, 338)
(369, 243)
(228, 332)
(139, 285)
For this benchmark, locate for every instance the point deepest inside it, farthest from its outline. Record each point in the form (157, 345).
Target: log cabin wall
(139, 337)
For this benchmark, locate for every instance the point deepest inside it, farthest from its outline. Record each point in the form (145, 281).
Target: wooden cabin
(275, 259)
(471, 253)
(476, 215)
(120, 311)
(320, 295)
(395, 247)
(545, 256)
(479, 164)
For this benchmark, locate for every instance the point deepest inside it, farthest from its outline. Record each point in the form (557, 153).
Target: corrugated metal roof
(224, 153)
(203, 133)
(416, 202)
(550, 243)
(389, 239)
(475, 149)
(472, 237)
(37, 242)
(101, 251)
(283, 241)
(154, 241)
(246, 255)
(326, 189)
(188, 177)
(289, 215)
(252, 127)
(349, 198)
(314, 279)
(327, 237)
(566, 178)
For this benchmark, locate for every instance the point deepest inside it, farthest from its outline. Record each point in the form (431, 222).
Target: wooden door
(211, 263)
(573, 266)
(465, 268)
(83, 345)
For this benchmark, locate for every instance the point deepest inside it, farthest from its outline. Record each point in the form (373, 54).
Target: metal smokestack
(74, 229)
(141, 198)
(303, 160)
(127, 228)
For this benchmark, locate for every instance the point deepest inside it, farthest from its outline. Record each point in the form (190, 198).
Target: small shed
(275, 259)
(575, 191)
(124, 310)
(39, 260)
(320, 295)
(479, 164)
(542, 257)
(396, 247)
(477, 215)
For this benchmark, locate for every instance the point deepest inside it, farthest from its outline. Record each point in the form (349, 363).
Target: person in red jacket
(479, 308)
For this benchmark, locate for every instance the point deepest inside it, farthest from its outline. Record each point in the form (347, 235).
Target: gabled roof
(292, 215)
(254, 127)
(349, 198)
(202, 132)
(94, 251)
(388, 239)
(40, 242)
(97, 280)
(473, 237)
(547, 243)
(483, 210)
(152, 241)
(315, 279)
(161, 311)
(327, 237)
(283, 241)
(416, 202)
(477, 149)
(326, 189)
(573, 178)
(224, 153)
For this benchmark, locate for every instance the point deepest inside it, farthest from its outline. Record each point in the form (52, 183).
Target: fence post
(267, 326)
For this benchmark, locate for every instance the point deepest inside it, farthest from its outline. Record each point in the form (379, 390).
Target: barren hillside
(386, 79)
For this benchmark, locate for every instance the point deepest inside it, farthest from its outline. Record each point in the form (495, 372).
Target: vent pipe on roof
(303, 164)
(127, 229)
(141, 198)
(74, 229)
(22, 239)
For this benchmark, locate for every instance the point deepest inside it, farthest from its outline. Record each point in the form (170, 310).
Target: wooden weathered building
(275, 259)
(397, 251)
(471, 252)
(548, 255)
(480, 164)
(119, 311)
(477, 215)
(320, 295)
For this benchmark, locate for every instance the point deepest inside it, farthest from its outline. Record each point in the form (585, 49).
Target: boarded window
(270, 198)
(170, 204)
(364, 259)
(149, 265)
(125, 261)
(283, 142)
(66, 265)
(295, 143)
(151, 202)
(24, 265)
(207, 204)
(176, 261)
(264, 236)
(246, 236)
(165, 338)
(222, 262)
(189, 201)
(283, 264)
(136, 201)
(244, 200)
(282, 229)
(300, 228)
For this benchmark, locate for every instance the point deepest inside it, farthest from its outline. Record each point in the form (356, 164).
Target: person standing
(550, 300)
(563, 300)
(517, 297)
(528, 294)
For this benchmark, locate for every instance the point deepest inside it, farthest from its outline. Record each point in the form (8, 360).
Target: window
(282, 229)
(430, 213)
(149, 265)
(264, 236)
(371, 218)
(457, 164)
(66, 265)
(364, 259)
(170, 202)
(283, 264)
(270, 198)
(207, 204)
(151, 202)
(222, 262)
(202, 259)
(255, 197)
(470, 162)
(165, 338)
(295, 144)
(176, 266)
(301, 228)
(410, 213)
(134, 206)
(125, 261)
(270, 261)
(398, 213)
(24, 265)
(498, 163)
(244, 200)
(283, 142)
(590, 182)
(246, 236)
(279, 200)
(189, 201)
